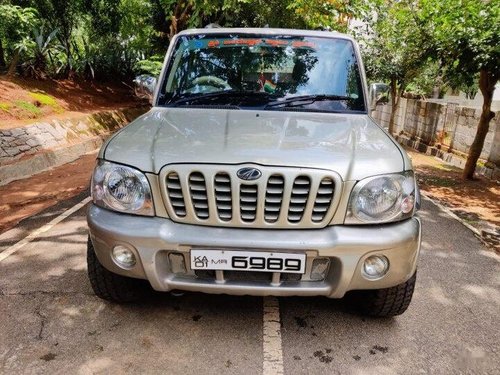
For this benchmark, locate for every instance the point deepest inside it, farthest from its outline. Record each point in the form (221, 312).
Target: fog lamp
(123, 256)
(375, 266)
(319, 268)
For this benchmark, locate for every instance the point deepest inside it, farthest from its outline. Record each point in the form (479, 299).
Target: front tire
(385, 302)
(110, 286)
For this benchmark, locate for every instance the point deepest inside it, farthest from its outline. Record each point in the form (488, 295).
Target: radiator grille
(280, 198)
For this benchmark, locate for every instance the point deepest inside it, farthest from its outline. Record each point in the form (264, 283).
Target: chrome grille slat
(248, 199)
(198, 195)
(283, 197)
(298, 198)
(248, 202)
(223, 199)
(274, 198)
(323, 199)
(175, 194)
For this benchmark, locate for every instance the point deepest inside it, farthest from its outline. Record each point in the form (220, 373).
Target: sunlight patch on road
(33, 235)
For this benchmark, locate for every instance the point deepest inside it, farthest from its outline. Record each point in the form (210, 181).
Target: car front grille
(280, 198)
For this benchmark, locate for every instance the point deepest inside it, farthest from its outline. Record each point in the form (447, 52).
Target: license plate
(247, 261)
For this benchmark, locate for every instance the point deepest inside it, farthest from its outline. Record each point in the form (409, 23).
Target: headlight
(121, 188)
(382, 199)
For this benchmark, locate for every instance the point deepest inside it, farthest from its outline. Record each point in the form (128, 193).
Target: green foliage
(396, 49)
(44, 99)
(15, 24)
(33, 110)
(120, 38)
(465, 35)
(5, 106)
(151, 66)
(99, 38)
(66, 17)
(331, 14)
(427, 81)
(37, 50)
(468, 84)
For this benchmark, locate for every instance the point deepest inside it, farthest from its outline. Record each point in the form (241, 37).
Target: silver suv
(258, 171)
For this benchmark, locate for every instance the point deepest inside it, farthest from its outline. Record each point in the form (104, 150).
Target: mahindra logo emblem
(249, 174)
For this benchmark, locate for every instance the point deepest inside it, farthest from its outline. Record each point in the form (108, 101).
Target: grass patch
(446, 167)
(5, 106)
(443, 167)
(439, 181)
(28, 107)
(46, 100)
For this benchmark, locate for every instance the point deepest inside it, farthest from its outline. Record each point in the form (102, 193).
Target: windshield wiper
(294, 101)
(186, 98)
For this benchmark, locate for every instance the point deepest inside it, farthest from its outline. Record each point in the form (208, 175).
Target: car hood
(349, 144)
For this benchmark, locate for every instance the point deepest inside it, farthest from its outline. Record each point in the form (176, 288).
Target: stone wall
(20, 142)
(446, 126)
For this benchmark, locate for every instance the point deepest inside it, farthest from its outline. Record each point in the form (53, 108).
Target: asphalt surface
(50, 321)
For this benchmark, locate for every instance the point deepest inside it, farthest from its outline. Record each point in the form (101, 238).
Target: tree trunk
(179, 18)
(13, 63)
(394, 104)
(3, 64)
(487, 82)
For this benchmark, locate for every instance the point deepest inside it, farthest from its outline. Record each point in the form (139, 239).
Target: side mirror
(379, 94)
(144, 87)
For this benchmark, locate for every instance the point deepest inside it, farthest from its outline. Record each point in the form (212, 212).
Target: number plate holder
(257, 261)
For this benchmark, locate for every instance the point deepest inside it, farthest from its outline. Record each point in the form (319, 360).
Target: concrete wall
(477, 102)
(20, 142)
(447, 126)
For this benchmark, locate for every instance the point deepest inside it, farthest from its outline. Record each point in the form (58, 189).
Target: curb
(477, 232)
(48, 159)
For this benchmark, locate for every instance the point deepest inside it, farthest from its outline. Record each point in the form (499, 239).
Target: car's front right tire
(110, 286)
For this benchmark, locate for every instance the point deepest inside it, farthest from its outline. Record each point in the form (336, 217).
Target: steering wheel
(210, 81)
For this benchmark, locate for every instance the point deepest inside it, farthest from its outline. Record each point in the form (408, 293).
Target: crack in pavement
(43, 320)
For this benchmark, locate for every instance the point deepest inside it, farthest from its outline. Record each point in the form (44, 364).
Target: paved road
(50, 322)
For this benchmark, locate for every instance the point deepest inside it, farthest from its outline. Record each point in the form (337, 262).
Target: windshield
(262, 71)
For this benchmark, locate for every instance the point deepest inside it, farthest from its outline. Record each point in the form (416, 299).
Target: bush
(151, 66)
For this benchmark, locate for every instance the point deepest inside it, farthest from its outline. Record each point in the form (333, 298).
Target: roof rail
(213, 26)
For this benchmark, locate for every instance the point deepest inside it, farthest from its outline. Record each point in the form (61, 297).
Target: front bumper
(153, 239)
